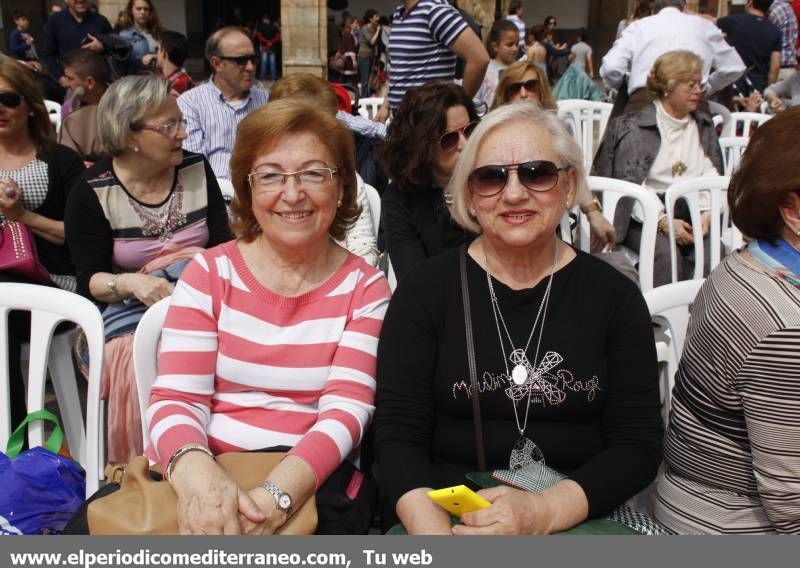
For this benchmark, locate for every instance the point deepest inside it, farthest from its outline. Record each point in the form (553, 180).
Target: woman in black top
(425, 139)
(36, 175)
(576, 385)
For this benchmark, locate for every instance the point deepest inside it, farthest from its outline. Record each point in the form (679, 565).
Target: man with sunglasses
(214, 109)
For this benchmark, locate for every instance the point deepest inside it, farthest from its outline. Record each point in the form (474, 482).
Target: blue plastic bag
(41, 490)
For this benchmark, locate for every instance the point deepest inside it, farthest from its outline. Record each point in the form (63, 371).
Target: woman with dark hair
(732, 448)
(667, 141)
(348, 45)
(367, 42)
(142, 27)
(287, 322)
(537, 52)
(425, 139)
(36, 175)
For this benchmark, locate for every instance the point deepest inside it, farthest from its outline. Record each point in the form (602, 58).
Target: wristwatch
(283, 501)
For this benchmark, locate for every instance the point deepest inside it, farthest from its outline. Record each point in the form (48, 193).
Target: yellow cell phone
(458, 500)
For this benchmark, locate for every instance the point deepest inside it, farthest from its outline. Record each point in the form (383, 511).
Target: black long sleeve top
(417, 225)
(601, 424)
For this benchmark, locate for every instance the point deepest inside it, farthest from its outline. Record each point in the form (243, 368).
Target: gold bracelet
(592, 207)
(662, 224)
(183, 450)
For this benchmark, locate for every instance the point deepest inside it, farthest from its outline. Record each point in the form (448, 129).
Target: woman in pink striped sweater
(270, 339)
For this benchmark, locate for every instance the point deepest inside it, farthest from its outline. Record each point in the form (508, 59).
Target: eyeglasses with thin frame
(449, 140)
(692, 84)
(240, 60)
(535, 175)
(531, 85)
(312, 178)
(169, 128)
(10, 99)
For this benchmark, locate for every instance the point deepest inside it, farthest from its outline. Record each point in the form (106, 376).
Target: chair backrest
(368, 106)
(145, 355)
(745, 120)
(612, 191)
(48, 307)
(732, 149)
(54, 112)
(716, 187)
(588, 120)
(670, 305)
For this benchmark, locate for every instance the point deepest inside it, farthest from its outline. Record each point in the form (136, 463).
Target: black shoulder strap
(473, 371)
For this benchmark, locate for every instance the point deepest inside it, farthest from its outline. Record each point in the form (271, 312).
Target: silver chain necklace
(525, 451)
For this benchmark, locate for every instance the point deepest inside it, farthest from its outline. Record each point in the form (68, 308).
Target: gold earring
(339, 203)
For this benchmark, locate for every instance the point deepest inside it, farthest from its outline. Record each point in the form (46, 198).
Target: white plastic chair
(54, 112)
(690, 190)
(226, 188)
(374, 199)
(368, 106)
(746, 119)
(588, 120)
(614, 189)
(49, 307)
(670, 306)
(732, 149)
(145, 355)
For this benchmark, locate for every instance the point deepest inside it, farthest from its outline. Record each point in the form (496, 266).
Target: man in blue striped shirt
(426, 37)
(214, 109)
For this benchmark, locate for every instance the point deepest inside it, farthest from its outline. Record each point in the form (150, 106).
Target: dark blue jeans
(268, 60)
(364, 68)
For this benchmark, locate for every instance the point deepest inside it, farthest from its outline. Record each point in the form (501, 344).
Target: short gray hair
(124, 105)
(523, 113)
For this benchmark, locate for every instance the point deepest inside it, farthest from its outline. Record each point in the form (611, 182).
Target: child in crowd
(581, 53)
(20, 42)
(502, 45)
(169, 61)
(87, 74)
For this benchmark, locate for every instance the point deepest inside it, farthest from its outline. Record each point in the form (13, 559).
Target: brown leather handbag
(143, 506)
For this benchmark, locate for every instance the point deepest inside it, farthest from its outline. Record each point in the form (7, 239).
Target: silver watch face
(284, 501)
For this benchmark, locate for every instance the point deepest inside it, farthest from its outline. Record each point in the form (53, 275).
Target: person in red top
(268, 36)
(169, 60)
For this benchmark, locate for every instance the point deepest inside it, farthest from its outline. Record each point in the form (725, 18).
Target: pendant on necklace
(524, 453)
(679, 168)
(519, 375)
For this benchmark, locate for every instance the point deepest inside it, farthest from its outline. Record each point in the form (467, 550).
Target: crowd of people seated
(502, 348)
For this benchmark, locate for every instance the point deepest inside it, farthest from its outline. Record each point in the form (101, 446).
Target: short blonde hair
(524, 114)
(125, 105)
(671, 68)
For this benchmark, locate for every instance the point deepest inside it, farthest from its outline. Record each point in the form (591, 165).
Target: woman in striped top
(732, 449)
(270, 340)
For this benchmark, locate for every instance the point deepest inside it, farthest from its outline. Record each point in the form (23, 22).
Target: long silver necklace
(524, 451)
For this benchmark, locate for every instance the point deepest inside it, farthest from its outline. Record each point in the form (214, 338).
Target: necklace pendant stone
(519, 375)
(524, 453)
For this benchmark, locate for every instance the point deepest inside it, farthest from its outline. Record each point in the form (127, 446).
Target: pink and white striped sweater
(242, 368)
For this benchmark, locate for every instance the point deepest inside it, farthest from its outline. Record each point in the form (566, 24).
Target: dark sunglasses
(241, 60)
(512, 89)
(536, 175)
(9, 99)
(449, 140)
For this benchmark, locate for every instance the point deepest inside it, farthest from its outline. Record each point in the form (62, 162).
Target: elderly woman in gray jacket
(667, 141)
